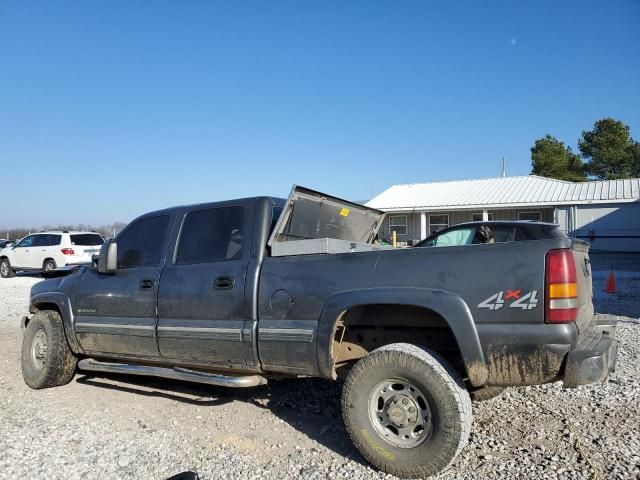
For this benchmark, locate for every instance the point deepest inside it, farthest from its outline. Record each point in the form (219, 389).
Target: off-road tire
(5, 269)
(446, 396)
(486, 393)
(49, 262)
(59, 362)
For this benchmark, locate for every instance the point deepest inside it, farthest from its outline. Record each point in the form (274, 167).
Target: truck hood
(310, 215)
(64, 281)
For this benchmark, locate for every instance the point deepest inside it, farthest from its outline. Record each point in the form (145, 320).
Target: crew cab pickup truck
(239, 292)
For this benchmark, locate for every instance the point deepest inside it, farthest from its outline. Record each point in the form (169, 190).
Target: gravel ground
(116, 427)
(626, 270)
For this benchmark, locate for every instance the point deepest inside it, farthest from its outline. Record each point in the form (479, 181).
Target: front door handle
(145, 284)
(224, 283)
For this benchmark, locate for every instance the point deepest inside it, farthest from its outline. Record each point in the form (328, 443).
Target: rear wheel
(5, 268)
(406, 410)
(48, 265)
(47, 360)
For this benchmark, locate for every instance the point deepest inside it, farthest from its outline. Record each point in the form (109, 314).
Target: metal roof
(504, 192)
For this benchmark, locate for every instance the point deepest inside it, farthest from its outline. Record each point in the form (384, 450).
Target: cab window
(40, 241)
(211, 235)
(26, 241)
(452, 238)
(140, 244)
(502, 234)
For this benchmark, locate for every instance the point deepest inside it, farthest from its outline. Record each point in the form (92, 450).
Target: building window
(531, 216)
(477, 217)
(437, 223)
(398, 223)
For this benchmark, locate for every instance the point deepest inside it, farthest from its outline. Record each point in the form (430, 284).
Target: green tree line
(607, 152)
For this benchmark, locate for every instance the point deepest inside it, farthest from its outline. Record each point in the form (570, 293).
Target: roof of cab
(238, 201)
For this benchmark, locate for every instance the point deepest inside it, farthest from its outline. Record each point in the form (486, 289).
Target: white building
(606, 213)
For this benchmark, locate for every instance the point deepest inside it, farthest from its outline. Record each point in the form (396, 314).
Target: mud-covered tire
(48, 265)
(486, 393)
(6, 271)
(53, 365)
(447, 404)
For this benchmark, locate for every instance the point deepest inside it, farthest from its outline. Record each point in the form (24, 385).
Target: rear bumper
(595, 357)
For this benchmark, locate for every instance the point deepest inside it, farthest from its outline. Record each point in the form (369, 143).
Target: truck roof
(239, 201)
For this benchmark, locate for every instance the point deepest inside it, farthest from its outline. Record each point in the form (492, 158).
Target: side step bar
(173, 373)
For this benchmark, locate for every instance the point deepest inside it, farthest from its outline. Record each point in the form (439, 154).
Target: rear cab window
(539, 233)
(211, 235)
(41, 240)
(53, 240)
(502, 234)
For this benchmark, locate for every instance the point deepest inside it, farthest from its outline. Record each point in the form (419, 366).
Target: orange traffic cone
(611, 284)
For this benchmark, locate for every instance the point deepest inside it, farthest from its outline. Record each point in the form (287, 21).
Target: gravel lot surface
(118, 427)
(626, 270)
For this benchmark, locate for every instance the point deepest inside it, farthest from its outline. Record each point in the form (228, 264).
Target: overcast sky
(111, 109)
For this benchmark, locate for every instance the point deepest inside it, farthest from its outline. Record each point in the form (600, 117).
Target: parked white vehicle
(46, 251)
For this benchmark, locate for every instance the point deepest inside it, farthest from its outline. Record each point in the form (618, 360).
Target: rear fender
(449, 306)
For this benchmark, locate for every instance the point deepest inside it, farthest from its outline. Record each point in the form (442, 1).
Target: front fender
(63, 302)
(448, 305)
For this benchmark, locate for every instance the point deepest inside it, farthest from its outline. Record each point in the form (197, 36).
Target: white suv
(48, 250)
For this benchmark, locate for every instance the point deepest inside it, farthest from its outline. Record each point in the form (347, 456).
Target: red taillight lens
(561, 290)
(67, 251)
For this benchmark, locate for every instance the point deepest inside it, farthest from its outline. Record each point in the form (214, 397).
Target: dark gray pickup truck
(235, 293)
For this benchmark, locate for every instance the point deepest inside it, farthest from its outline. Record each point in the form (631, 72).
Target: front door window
(452, 238)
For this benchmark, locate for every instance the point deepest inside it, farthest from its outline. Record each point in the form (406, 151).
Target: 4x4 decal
(497, 300)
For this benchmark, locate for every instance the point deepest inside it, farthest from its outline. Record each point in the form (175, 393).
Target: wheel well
(362, 329)
(47, 259)
(43, 306)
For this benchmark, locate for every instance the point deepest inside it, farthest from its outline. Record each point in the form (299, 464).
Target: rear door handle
(224, 283)
(145, 284)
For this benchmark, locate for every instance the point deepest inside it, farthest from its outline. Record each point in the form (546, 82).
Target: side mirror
(108, 259)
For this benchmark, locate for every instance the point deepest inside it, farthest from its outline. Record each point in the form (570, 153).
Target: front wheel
(5, 268)
(406, 410)
(47, 360)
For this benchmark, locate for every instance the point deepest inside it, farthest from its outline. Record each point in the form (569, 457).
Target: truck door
(201, 296)
(117, 313)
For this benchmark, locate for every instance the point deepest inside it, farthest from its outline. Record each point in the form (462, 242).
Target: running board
(175, 373)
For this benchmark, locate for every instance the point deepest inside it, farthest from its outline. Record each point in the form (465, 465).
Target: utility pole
(503, 172)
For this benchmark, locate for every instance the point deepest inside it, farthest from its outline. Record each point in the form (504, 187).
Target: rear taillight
(561, 296)
(67, 251)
